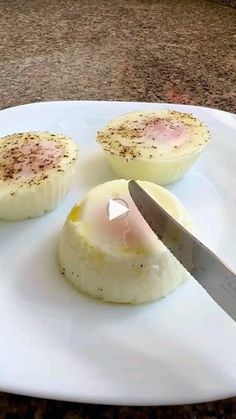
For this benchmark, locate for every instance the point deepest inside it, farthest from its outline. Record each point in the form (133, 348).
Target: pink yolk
(168, 132)
(30, 158)
(130, 231)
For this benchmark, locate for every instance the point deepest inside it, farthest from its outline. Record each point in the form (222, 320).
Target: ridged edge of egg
(161, 172)
(38, 200)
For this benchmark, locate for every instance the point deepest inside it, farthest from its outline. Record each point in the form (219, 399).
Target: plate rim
(8, 108)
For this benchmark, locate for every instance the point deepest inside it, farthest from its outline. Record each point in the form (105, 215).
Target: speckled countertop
(142, 50)
(180, 51)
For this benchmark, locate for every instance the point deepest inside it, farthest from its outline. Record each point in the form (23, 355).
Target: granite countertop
(139, 50)
(180, 51)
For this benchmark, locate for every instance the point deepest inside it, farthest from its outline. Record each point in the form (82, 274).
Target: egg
(120, 260)
(158, 146)
(36, 170)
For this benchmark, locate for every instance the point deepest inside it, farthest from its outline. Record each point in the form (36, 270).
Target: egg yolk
(74, 214)
(29, 157)
(129, 233)
(165, 132)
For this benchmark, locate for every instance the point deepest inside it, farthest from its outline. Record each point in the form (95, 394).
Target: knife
(211, 272)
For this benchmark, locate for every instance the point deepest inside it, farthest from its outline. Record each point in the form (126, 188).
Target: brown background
(180, 51)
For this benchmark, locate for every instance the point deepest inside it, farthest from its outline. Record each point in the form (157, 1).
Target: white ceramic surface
(59, 344)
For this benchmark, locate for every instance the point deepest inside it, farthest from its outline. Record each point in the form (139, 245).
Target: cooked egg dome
(36, 170)
(120, 260)
(158, 146)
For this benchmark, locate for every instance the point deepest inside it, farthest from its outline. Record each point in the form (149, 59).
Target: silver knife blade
(211, 272)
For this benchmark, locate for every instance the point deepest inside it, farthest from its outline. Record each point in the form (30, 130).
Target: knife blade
(209, 270)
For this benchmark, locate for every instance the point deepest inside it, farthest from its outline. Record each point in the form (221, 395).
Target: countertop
(139, 50)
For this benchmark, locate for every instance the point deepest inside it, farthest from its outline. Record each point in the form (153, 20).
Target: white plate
(56, 343)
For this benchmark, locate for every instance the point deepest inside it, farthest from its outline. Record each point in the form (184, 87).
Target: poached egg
(157, 146)
(120, 260)
(36, 170)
